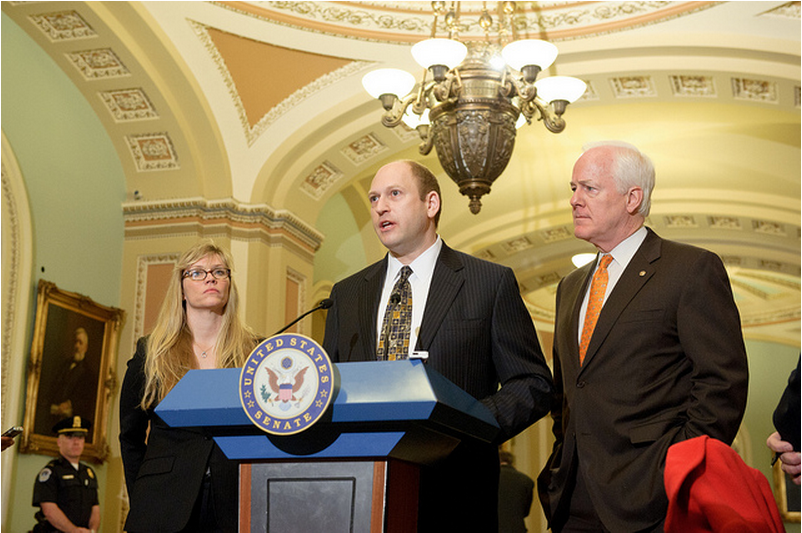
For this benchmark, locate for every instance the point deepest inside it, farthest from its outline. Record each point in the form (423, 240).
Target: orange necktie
(598, 286)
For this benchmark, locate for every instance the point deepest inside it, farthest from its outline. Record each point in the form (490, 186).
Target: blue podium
(356, 470)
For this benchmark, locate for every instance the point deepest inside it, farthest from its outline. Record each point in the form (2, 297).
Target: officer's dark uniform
(74, 491)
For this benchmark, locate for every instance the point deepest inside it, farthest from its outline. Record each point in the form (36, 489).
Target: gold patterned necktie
(397, 323)
(598, 286)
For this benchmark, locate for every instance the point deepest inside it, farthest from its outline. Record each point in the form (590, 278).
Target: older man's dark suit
(478, 334)
(666, 363)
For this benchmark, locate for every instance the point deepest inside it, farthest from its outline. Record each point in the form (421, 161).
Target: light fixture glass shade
(519, 54)
(560, 88)
(446, 52)
(388, 81)
(413, 121)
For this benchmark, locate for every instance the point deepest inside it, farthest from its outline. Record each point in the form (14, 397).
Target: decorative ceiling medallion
(152, 152)
(128, 104)
(590, 93)
(363, 148)
(96, 64)
(768, 228)
(517, 245)
(725, 223)
(755, 90)
(487, 255)
(681, 221)
(556, 234)
(321, 178)
(700, 86)
(633, 87)
(767, 264)
(63, 26)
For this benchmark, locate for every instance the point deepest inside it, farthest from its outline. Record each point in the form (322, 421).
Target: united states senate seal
(286, 384)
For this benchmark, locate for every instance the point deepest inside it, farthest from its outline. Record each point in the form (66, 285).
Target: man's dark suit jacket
(666, 363)
(516, 491)
(164, 477)
(478, 334)
(786, 415)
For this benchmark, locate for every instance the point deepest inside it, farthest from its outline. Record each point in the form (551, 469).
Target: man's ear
(634, 199)
(432, 203)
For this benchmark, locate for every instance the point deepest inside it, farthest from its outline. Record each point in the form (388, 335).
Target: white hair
(633, 168)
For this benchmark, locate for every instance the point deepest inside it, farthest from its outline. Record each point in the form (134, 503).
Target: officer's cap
(74, 425)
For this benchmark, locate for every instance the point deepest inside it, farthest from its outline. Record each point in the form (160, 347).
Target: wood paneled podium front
(356, 470)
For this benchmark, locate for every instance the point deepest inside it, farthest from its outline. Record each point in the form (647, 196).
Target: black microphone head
(395, 298)
(326, 303)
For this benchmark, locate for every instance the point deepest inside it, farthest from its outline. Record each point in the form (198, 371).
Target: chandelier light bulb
(447, 52)
(413, 121)
(529, 52)
(560, 88)
(388, 81)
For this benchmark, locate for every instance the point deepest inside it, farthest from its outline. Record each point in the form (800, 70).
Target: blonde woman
(178, 479)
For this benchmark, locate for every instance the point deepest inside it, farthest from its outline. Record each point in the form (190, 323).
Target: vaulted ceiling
(261, 102)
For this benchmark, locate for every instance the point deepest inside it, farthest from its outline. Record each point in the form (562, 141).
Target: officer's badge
(44, 475)
(286, 384)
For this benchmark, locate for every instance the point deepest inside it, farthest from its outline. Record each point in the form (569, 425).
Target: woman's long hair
(170, 353)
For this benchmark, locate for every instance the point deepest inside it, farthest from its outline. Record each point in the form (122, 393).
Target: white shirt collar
(422, 266)
(623, 253)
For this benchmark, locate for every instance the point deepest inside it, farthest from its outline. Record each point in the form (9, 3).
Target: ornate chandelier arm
(527, 91)
(449, 88)
(552, 119)
(428, 139)
(392, 116)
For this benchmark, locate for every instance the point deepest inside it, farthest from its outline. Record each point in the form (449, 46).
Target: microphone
(324, 304)
(395, 299)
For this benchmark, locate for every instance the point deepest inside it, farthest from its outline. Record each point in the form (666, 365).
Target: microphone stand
(324, 304)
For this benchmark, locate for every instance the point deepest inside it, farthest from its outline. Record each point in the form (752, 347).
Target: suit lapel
(639, 271)
(447, 280)
(368, 300)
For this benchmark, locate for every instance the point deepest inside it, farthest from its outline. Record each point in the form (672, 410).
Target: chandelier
(479, 92)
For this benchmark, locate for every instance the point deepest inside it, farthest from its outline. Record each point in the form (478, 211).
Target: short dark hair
(427, 182)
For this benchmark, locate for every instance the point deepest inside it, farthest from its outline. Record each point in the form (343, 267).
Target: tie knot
(406, 271)
(605, 261)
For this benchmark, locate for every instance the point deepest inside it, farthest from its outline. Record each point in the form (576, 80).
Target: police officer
(66, 489)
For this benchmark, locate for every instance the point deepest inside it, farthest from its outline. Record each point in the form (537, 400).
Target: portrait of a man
(71, 356)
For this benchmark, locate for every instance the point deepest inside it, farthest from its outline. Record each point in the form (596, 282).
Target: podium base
(329, 497)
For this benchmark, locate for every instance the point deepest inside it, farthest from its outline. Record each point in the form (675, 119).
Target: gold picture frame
(786, 493)
(71, 369)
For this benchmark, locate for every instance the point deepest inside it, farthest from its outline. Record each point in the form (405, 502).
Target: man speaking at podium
(464, 315)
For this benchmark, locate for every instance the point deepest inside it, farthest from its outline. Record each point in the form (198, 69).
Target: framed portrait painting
(71, 369)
